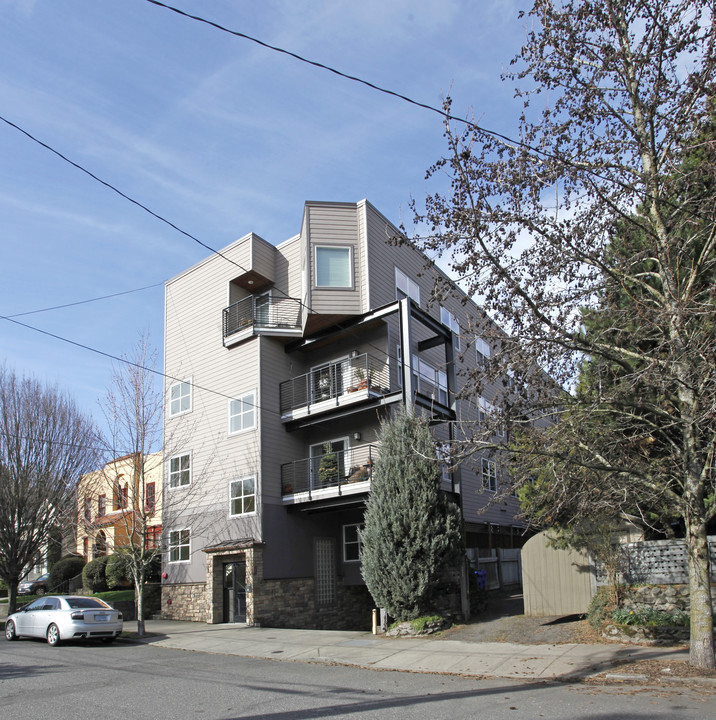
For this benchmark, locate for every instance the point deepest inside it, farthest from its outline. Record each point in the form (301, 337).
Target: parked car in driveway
(38, 586)
(58, 618)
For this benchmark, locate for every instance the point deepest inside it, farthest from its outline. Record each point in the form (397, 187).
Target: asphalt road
(121, 681)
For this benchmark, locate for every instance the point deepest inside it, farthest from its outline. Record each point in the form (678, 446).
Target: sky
(215, 134)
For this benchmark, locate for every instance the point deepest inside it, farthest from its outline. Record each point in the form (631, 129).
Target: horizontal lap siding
(335, 224)
(193, 347)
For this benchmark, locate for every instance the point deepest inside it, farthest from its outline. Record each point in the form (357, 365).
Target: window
(242, 413)
(448, 319)
(352, 546)
(150, 497)
(333, 267)
(153, 537)
(102, 505)
(325, 570)
(123, 497)
(242, 496)
(483, 350)
(180, 397)
(405, 287)
(88, 509)
(489, 475)
(100, 545)
(180, 471)
(179, 546)
(85, 548)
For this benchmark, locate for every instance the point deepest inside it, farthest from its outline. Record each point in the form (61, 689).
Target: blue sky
(214, 133)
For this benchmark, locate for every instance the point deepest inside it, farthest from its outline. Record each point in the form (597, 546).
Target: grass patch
(116, 595)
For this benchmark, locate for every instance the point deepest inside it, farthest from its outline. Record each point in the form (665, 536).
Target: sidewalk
(429, 654)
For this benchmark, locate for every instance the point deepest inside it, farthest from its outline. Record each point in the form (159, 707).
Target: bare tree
(606, 200)
(45, 445)
(132, 473)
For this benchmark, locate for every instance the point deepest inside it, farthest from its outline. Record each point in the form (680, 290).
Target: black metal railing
(328, 469)
(334, 380)
(261, 311)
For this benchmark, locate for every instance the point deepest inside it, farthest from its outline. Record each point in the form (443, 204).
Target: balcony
(261, 312)
(335, 384)
(330, 474)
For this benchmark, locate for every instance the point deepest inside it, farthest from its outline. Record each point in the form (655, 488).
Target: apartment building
(280, 362)
(118, 504)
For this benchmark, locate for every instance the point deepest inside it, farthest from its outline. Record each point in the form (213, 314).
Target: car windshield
(85, 602)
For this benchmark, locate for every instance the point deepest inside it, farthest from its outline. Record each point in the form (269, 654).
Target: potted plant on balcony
(328, 467)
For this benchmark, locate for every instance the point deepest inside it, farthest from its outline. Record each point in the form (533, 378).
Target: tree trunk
(139, 594)
(11, 598)
(702, 639)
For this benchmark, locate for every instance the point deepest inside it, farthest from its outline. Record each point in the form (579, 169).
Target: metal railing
(334, 380)
(329, 469)
(261, 311)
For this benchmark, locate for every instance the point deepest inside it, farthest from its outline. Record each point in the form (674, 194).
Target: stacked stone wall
(291, 603)
(661, 598)
(185, 602)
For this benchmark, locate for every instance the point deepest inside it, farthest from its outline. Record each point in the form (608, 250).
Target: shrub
(118, 572)
(649, 617)
(601, 606)
(65, 569)
(93, 575)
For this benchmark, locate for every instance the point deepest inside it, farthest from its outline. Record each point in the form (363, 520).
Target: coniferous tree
(412, 531)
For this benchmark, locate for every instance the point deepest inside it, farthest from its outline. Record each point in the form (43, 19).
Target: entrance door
(235, 592)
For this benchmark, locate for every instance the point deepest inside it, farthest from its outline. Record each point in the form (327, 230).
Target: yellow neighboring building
(119, 504)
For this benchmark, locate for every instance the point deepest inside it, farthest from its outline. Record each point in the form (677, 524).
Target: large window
(87, 511)
(180, 471)
(242, 496)
(242, 413)
(179, 546)
(405, 287)
(333, 267)
(352, 546)
(180, 397)
(449, 320)
(102, 505)
(489, 475)
(150, 498)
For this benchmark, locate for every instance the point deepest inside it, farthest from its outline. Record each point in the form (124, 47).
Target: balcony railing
(332, 469)
(262, 311)
(335, 380)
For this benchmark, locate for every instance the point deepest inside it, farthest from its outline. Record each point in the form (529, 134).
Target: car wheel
(53, 635)
(10, 632)
(40, 591)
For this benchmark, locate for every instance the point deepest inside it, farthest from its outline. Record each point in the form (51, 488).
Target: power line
(83, 302)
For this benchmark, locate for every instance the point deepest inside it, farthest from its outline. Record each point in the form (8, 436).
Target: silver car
(59, 618)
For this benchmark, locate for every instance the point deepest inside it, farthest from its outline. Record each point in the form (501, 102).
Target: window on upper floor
(352, 545)
(242, 496)
(483, 350)
(87, 511)
(489, 475)
(242, 413)
(180, 471)
(150, 498)
(405, 287)
(180, 397)
(102, 505)
(179, 546)
(333, 267)
(449, 320)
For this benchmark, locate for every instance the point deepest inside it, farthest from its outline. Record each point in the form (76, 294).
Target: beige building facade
(280, 362)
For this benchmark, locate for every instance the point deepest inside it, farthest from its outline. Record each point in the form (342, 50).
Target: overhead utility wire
(506, 139)
(83, 302)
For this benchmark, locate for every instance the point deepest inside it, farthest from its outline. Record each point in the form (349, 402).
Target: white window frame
(483, 350)
(488, 474)
(242, 497)
(352, 543)
(175, 473)
(347, 248)
(176, 547)
(181, 397)
(450, 321)
(406, 287)
(242, 413)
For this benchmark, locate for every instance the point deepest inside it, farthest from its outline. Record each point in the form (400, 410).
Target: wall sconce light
(356, 436)
(354, 353)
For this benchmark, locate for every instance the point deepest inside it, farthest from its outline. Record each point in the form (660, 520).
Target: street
(78, 681)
